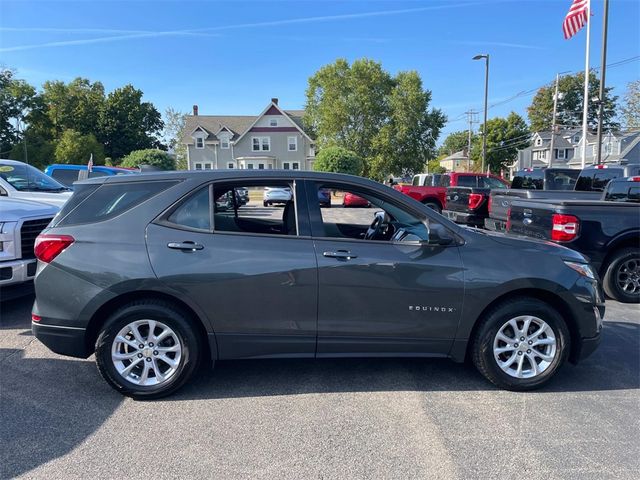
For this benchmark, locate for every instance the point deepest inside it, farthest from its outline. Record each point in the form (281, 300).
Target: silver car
(276, 195)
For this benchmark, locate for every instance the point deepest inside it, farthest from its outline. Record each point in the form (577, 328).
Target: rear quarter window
(109, 200)
(467, 181)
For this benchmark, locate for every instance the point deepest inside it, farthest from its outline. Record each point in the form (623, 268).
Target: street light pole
(486, 97)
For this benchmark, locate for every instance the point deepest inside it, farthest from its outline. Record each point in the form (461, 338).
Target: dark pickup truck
(589, 186)
(468, 204)
(606, 230)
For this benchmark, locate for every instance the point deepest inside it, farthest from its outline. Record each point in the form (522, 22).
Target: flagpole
(585, 112)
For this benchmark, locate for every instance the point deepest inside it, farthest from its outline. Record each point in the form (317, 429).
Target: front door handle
(185, 246)
(341, 254)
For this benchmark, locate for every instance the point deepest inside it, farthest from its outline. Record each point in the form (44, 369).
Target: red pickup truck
(432, 189)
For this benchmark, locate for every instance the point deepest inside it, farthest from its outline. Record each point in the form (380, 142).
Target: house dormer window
(576, 138)
(273, 122)
(224, 144)
(538, 142)
(199, 142)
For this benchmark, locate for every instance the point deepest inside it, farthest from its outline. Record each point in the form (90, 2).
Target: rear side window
(467, 181)
(490, 182)
(598, 180)
(194, 212)
(445, 181)
(110, 200)
(64, 176)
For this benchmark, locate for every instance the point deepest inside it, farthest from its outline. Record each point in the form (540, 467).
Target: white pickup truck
(21, 181)
(21, 221)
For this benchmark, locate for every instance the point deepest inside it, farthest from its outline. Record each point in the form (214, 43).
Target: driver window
(361, 215)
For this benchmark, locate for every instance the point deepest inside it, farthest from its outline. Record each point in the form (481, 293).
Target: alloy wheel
(146, 352)
(524, 346)
(628, 276)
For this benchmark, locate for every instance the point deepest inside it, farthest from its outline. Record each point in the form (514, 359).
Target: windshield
(26, 178)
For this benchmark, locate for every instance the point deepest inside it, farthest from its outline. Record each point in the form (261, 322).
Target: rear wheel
(147, 349)
(433, 206)
(265, 204)
(520, 344)
(622, 276)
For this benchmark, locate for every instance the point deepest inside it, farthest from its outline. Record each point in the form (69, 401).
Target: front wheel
(520, 344)
(147, 349)
(621, 279)
(433, 206)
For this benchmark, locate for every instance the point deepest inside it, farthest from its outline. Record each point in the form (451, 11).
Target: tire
(182, 334)
(433, 206)
(265, 204)
(623, 267)
(495, 321)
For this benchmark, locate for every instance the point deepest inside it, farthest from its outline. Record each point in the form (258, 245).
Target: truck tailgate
(533, 219)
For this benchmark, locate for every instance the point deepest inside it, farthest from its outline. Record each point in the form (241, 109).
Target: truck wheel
(520, 344)
(433, 206)
(147, 349)
(622, 276)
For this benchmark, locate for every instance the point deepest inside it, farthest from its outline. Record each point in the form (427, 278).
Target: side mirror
(439, 235)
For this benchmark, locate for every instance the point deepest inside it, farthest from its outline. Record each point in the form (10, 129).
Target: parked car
(24, 182)
(21, 221)
(606, 230)
(324, 197)
(434, 197)
(67, 174)
(589, 186)
(276, 195)
(352, 200)
(204, 285)
(469, 204)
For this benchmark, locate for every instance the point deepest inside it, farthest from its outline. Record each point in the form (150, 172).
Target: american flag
(90, 164)
(576, 18)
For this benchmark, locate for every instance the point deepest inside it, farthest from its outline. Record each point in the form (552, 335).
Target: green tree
(434, 166)
(631, 108)
(504, 137)
(338, 160)
(127, 123)
(455, 142)
(17, 98)
(570, 104)
(386, 120)
(76, 105)
(407, 141)
(174, 123)
(150, 156)
(76, 148)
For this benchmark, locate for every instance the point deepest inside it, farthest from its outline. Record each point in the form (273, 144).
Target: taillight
(565, 227)
(48, 247)
(35, 318)
(475, 199)
(508, 227)
(489, 203)
(634, 179)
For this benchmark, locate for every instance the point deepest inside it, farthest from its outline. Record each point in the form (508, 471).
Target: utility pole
(603, 69)
(470, 115)
(553, 122)
(486, 107)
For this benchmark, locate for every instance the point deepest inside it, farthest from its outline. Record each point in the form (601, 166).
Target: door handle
(341, 254)
(185, 246)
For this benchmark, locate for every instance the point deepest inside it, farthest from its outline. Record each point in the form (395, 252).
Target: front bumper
(69, 341)
(463, 218)
(17, 271)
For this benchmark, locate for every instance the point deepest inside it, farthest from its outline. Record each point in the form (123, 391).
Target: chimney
(274, 101)
(195, 110)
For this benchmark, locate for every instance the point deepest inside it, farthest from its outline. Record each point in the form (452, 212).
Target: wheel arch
(102, 313)
(627, 240)
(539, 294)
(434, 200)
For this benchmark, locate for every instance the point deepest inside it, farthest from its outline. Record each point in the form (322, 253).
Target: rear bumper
(69, 341)
(495, 225)
(464, 218)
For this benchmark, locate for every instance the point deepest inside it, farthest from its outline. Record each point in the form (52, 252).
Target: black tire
(169, 315)
(615, 266)
(482, 344)
(265, 204)
(433, 206)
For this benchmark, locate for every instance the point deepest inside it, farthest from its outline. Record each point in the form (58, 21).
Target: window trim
(223, 142)
(261, 144)
(295, 144)
(201, 147)
(273, 122)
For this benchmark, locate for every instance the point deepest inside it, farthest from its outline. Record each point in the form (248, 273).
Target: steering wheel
(376, 229)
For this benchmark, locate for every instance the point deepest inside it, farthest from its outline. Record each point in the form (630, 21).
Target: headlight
(583, 269)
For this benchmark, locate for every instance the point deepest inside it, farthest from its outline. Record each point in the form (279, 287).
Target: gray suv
(153, 276)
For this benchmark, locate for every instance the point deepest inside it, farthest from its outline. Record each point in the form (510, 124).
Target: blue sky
(231, 57)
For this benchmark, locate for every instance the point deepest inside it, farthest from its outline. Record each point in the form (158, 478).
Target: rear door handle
(186, 246)
(341, 254)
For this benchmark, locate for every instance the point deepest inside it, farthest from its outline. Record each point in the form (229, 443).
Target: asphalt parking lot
(348, 418)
